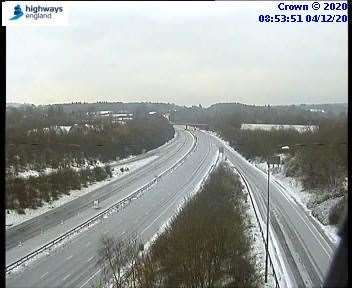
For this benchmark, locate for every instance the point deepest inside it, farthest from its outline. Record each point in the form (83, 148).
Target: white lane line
(69, 257)
(85, 283)
(68, 275)
(323, 243)
(90, 259)
(46, 273)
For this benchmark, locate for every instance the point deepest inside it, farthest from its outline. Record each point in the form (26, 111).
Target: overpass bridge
(203, 126)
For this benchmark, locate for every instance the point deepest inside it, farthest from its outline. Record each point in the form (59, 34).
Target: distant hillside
(116, 107)
(242, 113)
(304, 114)
(17, 105)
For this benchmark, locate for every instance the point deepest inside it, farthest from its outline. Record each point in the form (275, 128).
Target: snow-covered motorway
(303, 249)
(74, 212)
(304, 252)
(73, 264)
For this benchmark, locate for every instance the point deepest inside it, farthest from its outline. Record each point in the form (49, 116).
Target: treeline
(238, 113)
(31, 144)
(205, 245)
(33, 192)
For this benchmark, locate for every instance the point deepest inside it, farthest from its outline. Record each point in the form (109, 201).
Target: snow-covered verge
(13, 218)
(215, 162)
(87, 164)
(47, 171)
(293, 188)
(268, 127)
(258, 251)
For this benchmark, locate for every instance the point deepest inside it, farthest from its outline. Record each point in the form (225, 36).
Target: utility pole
(267, 230)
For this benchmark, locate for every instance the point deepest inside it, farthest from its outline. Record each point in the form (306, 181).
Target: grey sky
(177, 52)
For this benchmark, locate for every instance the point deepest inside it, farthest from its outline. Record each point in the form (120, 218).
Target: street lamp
(267, 230)
(270, 160)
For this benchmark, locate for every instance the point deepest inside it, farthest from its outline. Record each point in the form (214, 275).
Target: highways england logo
(17, 13)
(36, 12)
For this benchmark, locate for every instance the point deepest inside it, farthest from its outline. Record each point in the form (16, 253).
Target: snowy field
(268, 127)
(12, 218)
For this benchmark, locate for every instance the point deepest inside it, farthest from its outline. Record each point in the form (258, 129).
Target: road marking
(69, 257)
(90, 259)
(68, 275)
(41, 277)
(84, 284)
(322, 243)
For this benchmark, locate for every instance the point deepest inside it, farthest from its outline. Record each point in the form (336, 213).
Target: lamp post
(276, 160)
(267, 230)
(271, 160)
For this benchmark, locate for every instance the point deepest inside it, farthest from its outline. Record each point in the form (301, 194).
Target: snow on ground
(13, 218)
(258, 247)
(34, 173)
(65, 128)
(299, 128)
(295, 192)
(215, 162)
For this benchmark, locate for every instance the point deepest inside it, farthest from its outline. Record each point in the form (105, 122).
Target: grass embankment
(33, 192)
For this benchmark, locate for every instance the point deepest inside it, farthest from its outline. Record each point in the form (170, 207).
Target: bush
(206, 244)
(337, 212)
(20, 211)
(108, 170)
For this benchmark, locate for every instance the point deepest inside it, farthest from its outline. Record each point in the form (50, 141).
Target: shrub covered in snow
(337, 211)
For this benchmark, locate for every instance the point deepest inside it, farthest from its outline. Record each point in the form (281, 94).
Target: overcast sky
(178, 52)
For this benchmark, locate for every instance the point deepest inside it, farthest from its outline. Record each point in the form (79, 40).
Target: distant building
(120, 117)
(105, 113)
(317, 110)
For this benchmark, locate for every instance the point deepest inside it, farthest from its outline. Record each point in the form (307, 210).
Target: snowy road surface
(304, 249)
(73, 264)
